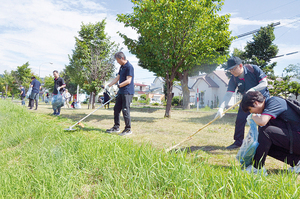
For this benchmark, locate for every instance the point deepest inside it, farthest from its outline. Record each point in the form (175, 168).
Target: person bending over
(279, 130)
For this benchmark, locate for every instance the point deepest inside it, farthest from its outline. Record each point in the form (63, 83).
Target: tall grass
(40, 160)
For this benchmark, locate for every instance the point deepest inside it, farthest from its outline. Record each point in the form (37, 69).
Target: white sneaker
(252, 170)
(296, 168)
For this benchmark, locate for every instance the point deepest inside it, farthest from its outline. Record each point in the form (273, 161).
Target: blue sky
(43, 31)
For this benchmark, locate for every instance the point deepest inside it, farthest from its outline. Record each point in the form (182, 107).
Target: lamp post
(40, 67)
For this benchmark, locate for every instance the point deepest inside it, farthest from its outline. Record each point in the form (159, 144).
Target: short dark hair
(249, 99)
(33, 77)
(55, 71)
(120, 55)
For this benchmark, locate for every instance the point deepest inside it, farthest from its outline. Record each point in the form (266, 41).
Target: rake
(190, 137)
(71, 127)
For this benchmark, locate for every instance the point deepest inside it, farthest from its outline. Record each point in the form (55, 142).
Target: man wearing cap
(22, 95)
(245, 78)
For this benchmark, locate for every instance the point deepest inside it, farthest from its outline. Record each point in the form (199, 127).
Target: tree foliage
(92, 61)
(175, 36)
(261, 50)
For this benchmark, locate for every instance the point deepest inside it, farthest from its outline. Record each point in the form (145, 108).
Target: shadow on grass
(98, 118)
(209, 149)
(206, 119)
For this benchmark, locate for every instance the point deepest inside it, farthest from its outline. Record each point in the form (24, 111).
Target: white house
(205, 88)
(210, 89)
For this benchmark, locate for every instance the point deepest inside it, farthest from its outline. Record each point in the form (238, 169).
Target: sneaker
(54, 113)
(113, 130)
(126, 132)
(295, 169)
(252, 170)
(233, 146)
(57, 114)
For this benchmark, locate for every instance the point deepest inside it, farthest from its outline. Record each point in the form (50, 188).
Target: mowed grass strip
(40, 160)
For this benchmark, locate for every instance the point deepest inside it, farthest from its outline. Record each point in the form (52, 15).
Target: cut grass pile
(40, 160)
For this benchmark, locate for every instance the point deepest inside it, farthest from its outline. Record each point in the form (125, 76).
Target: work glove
(220, 113)
(107, 87)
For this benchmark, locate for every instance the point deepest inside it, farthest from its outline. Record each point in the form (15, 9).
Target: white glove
(220, 113)
(107, 87)
(249, 117)
(251, 89)
(58, 88)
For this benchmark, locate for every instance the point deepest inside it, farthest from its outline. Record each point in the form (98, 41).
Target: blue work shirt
(126, 70)
(36, 86)
(23, 94)
(250, 80)
(278, 108)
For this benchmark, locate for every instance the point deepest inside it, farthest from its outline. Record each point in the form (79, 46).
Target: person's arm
(126, 82)
(261, 120)
(262, 85)
(224, 103)
(114, 81)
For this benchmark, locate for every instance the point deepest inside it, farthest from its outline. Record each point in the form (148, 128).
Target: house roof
(208, 80)
(222, 75)
(141, 92)
(139, 84)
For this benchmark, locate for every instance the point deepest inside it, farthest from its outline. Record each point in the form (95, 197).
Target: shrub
(155, 104)
(143, 97)
(176, 101)
(134, 99)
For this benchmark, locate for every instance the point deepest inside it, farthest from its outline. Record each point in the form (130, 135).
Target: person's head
(121, 58)
(254, 102)
(235, 66)
(55, 74)
(33, 77)
(21, 86)
(67, 90)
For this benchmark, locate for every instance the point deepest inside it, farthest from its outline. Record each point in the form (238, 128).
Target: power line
(270, 10)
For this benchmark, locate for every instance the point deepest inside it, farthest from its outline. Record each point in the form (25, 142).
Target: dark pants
(240, 123)
(22, 99)
(32, 97)
(122, 103)
(274, 141)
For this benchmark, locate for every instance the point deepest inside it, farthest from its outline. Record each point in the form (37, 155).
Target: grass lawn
(40, 160)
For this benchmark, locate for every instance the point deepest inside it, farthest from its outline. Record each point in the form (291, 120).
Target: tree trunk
(185, 90)
(6, 87)
(12, 97)
(169, 99)
(93, 100)
(89, 101)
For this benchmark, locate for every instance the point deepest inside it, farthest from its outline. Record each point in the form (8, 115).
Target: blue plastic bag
(28, 92)
(249, 146)
(57, 101)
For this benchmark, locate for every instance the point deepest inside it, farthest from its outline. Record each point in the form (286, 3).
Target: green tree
(176, 36)
(261, 50)
(92, 61)
(294, 88)
(49, 83)
(11, 88)
(23, 75)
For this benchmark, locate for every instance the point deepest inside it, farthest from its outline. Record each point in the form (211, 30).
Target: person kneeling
(279, 130)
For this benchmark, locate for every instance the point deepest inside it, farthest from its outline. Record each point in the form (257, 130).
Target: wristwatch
(118, 86)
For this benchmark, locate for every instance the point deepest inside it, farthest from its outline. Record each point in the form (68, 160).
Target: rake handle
(190, 137)
(92, 112)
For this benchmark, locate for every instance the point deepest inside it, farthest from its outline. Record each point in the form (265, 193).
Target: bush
(143, 97)
(155, 104)
(176, 101)
(147, 101)
(134, 99)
